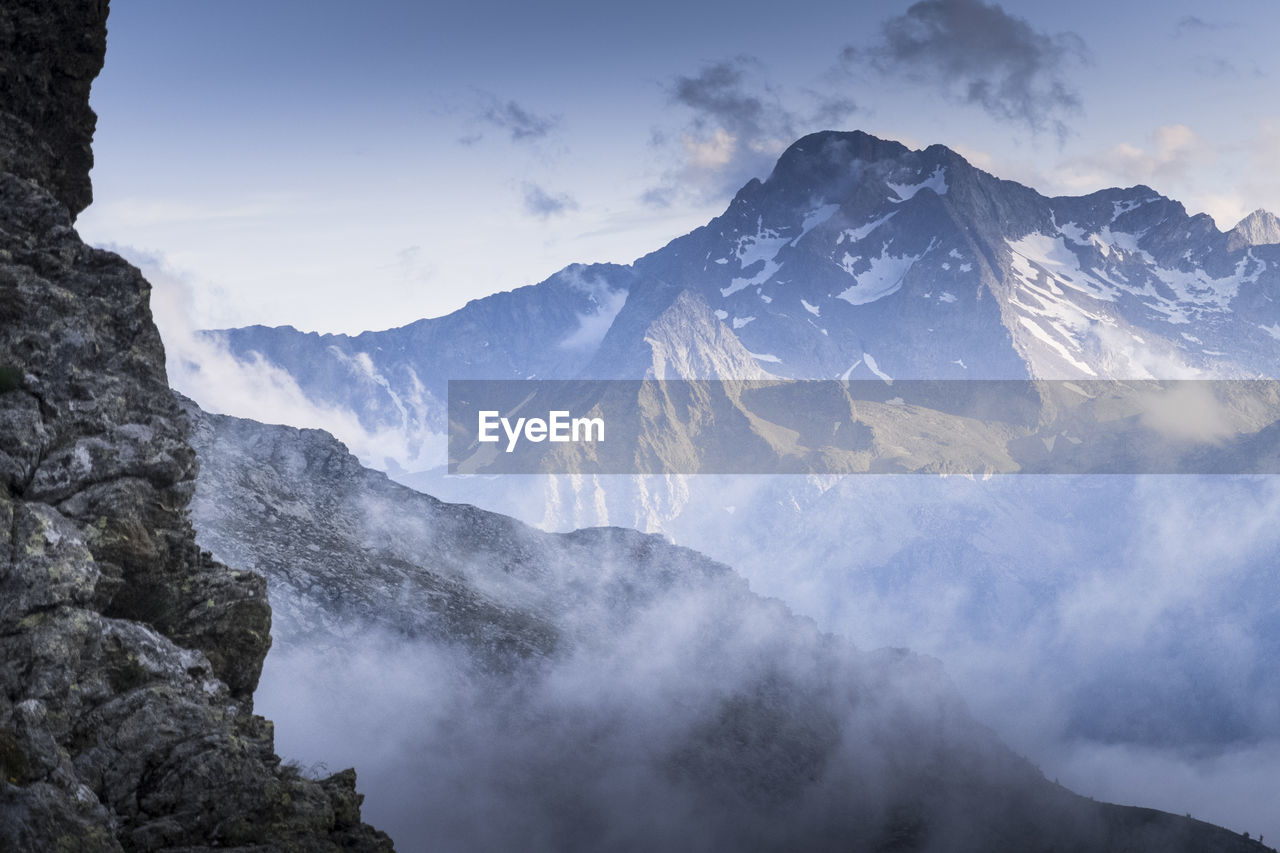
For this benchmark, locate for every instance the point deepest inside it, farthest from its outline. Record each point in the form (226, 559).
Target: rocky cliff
(128, 658)
(49, 55)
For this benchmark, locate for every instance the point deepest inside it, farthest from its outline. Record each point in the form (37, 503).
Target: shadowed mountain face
(128, 658)
(602, 688)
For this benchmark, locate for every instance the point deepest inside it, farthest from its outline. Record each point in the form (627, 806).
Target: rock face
(605, 689)
(128, 658)
(295, 506)
(1260, 228)
(49, 55)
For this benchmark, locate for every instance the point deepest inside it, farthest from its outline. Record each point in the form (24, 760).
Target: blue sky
(340, 167)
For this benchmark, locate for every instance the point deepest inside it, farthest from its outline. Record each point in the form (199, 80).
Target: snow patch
(1107, 241)
(764, 356)
(814, 218)
(1273, 331)
(1060, 264)
(1044, 337)
(759, 278)
(760, 248)
(947, 296)
(1195, 292)
(739, 322)
(853, 235)
(1074, 233)
(875, 368)
(936, 182)
(883, 278)
(1119, 208)
(812, 309)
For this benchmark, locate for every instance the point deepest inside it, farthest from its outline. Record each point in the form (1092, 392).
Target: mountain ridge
(776, 731)
(855, 258)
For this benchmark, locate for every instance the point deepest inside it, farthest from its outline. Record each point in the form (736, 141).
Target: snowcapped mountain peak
(856, 258)
(1260, 228)
(855, 245)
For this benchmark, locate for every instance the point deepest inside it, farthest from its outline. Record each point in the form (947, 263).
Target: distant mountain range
(1130, 613)
(856, 258)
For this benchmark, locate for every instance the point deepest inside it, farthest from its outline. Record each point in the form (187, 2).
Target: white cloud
(202, 368)
(1226, 179)
(1171, 155)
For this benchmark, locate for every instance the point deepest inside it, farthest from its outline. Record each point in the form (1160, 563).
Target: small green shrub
(10, 378)
(14, 765)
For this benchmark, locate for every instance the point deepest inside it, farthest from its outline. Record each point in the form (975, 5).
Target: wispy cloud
(1108, 627)
(202, 367)
(412, 266)
(738, 123)
(1198, 31)
(1215, 67)
(979, 54)
(1227, 180)
(1169, 156)
(833, 110)
(517, 122)
(720, 100)
(1194, 24)
(543, 204)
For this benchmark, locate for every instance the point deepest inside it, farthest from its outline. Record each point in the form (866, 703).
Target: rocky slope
(605, 688)
(128, 657)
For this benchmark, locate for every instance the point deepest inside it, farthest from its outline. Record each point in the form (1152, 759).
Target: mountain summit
(1260, 228)
(860, 258)
(856, 258)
